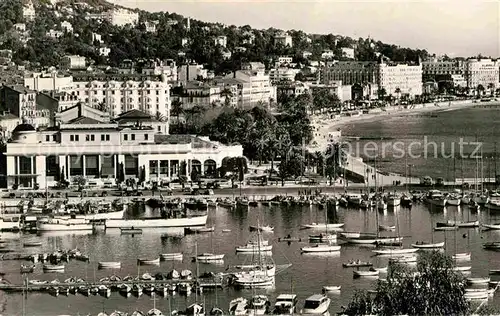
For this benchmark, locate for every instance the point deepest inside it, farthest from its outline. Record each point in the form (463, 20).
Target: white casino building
(128, 147)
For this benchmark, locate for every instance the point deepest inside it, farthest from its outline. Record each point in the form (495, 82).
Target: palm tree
(160, 117)
(177, 109)
(491, 87)
(272, 149)
(480, 89)
(227, 94)
(398, 93)
(381, 93)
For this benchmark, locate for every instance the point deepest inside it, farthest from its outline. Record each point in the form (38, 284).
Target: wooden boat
(404, 259)
(321, 248)
(323, 226)
(207, 257)
(494, 245)
(198, 230)
(53, 267)
(491, 226)
(387, 228)
(476, 295)
(357, 263)
(424, 245)
(331, 288)
(365, 273)
(395, 251)
(171, 256)
(462, 268)
(484, 280)
(266, 229)
(130, 231)
(146, 262)
(465, 256)
(254, 247)
(32, 244)
(109, 265)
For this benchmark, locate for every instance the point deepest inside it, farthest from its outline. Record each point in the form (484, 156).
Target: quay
(111, 284)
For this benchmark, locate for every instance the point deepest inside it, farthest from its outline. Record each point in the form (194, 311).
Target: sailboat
(432, 244)
(325, 237)
(259, 275)
(394, 251)
(209, 257)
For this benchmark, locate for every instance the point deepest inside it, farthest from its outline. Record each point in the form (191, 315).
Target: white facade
(105, 152)
(54, 34)
(483, 72)
(221, 41)
(67, 26)
(403, 78)
(306, 54)
(283, 39)
(73, 62)
(283, 73)
(47, 82)
(104, 51)
(7, 124)
(29, 12)
(120, 96)
(97, 37)
(121, 17)
(226, 54)
(20, 27)
(348, 52)
(327, 54)
(256, 87)
(191, 72)
(150, 27)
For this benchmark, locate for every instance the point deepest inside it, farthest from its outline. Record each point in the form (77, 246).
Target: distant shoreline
(324, 125)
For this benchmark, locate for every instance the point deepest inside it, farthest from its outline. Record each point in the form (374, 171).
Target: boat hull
(63, 227)
(157, 223)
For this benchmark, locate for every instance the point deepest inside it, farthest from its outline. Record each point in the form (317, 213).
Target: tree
(121, 173)
(177, 109)
(381, 93)
(290, 167)
(432, 289)
(480, 89)
(80, 181)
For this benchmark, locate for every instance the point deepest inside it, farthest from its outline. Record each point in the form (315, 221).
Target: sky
(457, 28)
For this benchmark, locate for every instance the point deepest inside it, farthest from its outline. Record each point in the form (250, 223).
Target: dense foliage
(433, 288)
(166, 42)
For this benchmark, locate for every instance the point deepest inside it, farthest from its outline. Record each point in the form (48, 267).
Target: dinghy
(171, 256)
(484, 280)
(395, 251)
(425, 245)
(331, 288)
(365, 273)
(321, 248)
(151, 262)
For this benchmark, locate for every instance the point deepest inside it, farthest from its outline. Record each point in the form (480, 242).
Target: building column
(99, 166)
(115, 166)
(41, 169)
(168, 168)
(202, 171)
(188, 169)
(84, 164)
(158, 170)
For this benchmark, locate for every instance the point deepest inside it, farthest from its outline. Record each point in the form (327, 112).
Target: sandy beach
(323, 124)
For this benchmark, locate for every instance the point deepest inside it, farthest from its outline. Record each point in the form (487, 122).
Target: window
(107, 137)
(102, 137)
(132, 137)
(157, 92)
(87, 138)
(92, 138)
(146, 136)
(77, 138)
(159, 128)
(125, 136)
(113, 92)
(47, 138)
(71, 138)
(54, 138)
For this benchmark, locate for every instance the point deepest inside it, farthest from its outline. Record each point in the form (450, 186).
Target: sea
(446, 143)
(308, 273)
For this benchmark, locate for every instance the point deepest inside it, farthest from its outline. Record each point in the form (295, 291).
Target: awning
(23, 175)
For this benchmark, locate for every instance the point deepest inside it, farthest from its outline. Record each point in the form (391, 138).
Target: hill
(42, 45)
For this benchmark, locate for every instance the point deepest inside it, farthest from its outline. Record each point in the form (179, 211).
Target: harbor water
(307, 275)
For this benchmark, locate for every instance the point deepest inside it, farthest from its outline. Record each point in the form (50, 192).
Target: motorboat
(137, 290)
(323, 237)
(381, 205)
(104, 290)
(476, 295)
(425, 245)
(395, 251)
(461, 224)
(321, 248)
(157, 312)
(465, 256)
(109, 265)
(171, 256)
(365, 273)
(207, 257)
(436, 198)
(255, 281)
(285, 304)
(151, 262)
(238, 306)
(462, 268)
(316, 304)
(198, 230)
(357, 263)
(453, 199)
(494, 245)
(254, 247)
(393, 200)
(331, 288)
(53, 267)
(479, 280)
(404, 259)
(265, 229)
(124, 288)
(387, 228)
(258, 305)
